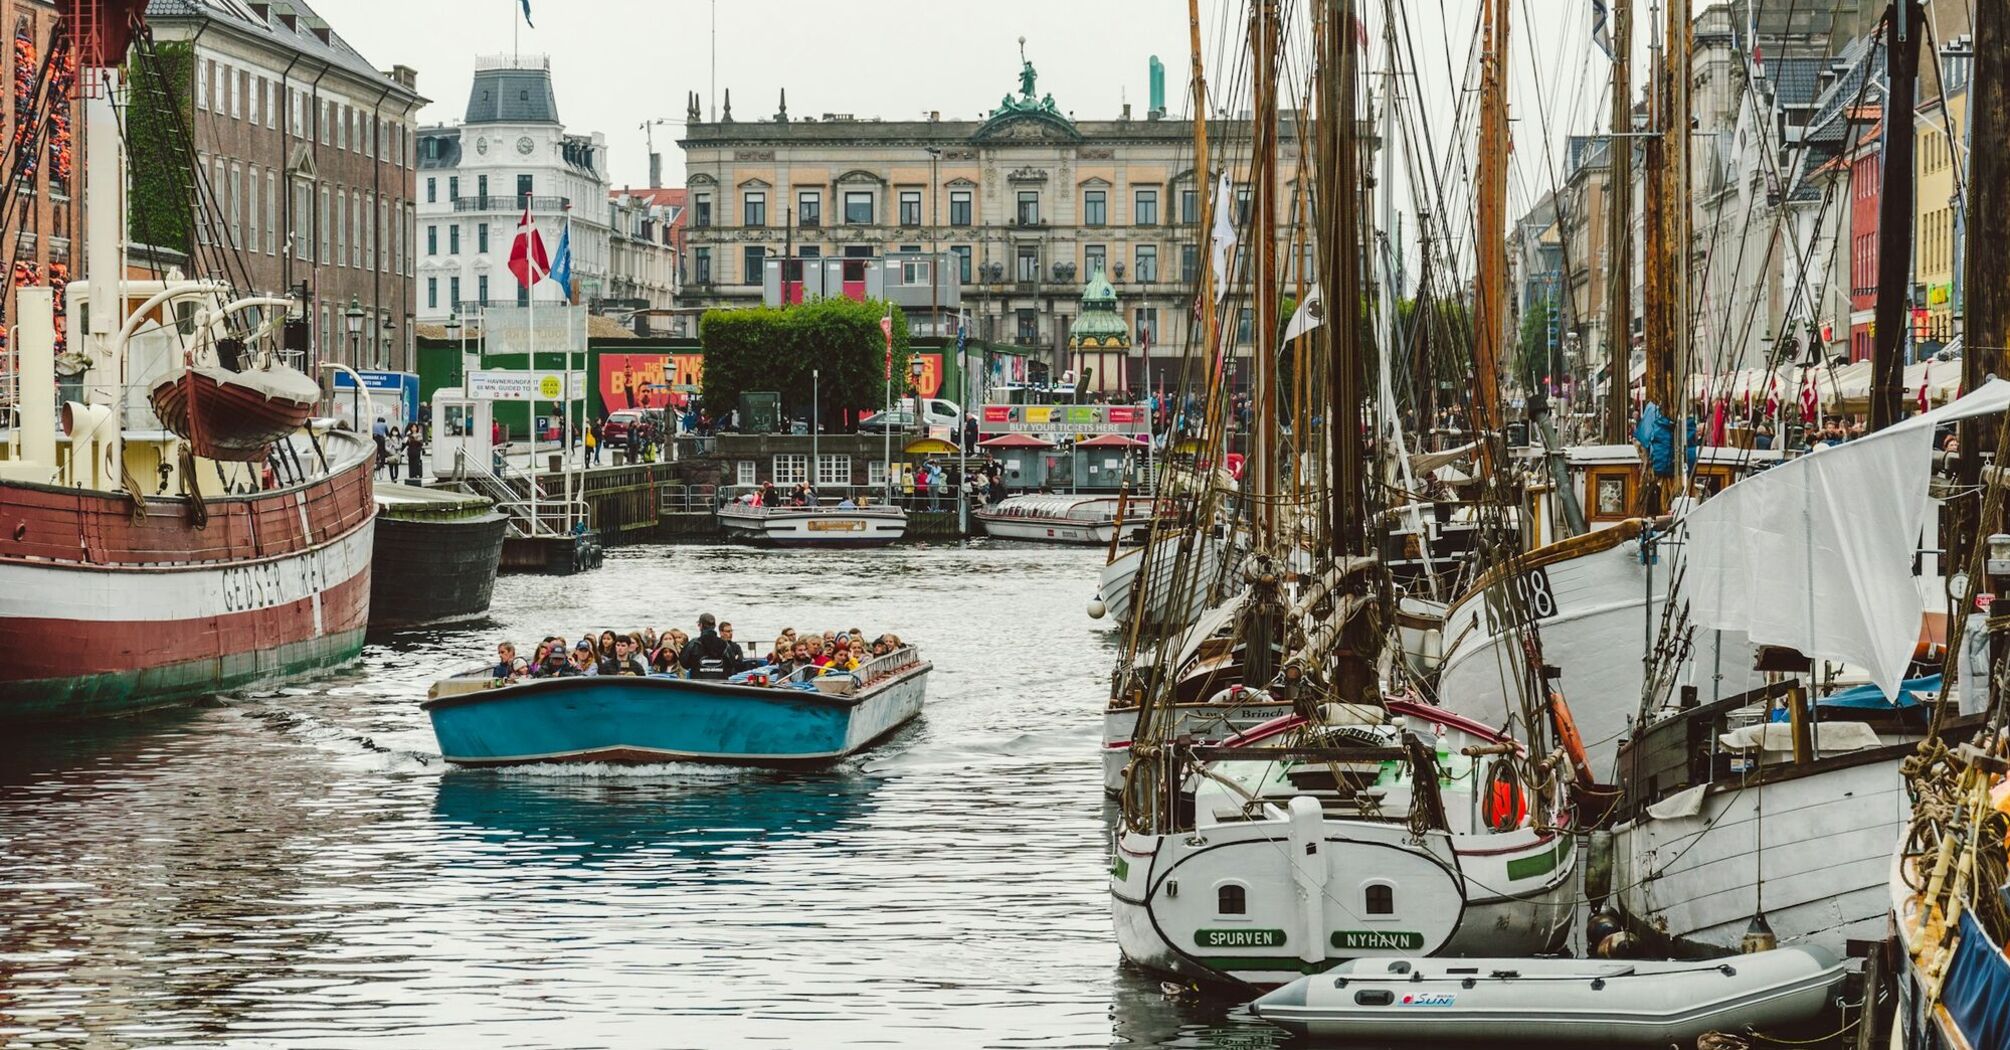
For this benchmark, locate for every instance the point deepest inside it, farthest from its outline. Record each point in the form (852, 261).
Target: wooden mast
(1619, 236)
(1660, 259)
(1490, 236)
(1340, 206)
(1985, 294)
(1263, 342)
(1904, 26)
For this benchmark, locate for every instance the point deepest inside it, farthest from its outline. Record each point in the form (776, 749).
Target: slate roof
(271, 25)
(512, 96)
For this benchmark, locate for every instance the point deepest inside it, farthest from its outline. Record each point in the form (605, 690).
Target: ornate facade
(1028, 202)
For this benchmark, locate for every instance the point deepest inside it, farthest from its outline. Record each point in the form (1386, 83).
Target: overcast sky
(619, 63)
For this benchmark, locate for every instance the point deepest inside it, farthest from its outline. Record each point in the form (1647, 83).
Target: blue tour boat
(802, 719)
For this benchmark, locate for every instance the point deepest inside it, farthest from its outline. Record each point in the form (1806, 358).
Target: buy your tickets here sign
(1066, 419)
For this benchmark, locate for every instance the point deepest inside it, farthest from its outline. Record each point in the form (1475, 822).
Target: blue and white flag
(526, 14)
(1601, 32)
(962, 333)
(561, 264)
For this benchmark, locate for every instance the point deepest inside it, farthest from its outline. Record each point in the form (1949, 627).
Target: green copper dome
(1100, 326)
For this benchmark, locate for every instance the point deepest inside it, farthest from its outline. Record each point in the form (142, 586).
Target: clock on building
(524, 145)
(481, 145)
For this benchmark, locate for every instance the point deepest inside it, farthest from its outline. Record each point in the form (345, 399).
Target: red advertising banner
(649, 380)
(931, 374)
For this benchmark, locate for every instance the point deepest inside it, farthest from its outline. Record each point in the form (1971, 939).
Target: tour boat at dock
(823, 526)
(805, 719)
(1095, 520)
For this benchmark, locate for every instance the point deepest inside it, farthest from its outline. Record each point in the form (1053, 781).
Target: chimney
(655, 169)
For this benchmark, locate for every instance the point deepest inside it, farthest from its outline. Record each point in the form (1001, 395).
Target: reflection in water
(298, 869)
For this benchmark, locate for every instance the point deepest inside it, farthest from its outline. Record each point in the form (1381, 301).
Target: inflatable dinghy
(1598, 1002)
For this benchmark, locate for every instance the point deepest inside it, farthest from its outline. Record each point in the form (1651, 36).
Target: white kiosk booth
(462, 430)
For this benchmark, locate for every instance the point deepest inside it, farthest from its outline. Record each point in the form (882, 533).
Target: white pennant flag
(1224, 233)
(1311, 314)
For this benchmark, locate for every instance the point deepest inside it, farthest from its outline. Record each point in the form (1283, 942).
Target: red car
(616, 430)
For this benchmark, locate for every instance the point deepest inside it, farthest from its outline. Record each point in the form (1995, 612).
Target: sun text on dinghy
(804, 718)
(1592, 1002)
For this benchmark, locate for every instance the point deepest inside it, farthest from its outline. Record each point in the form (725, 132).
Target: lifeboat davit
(235, 416)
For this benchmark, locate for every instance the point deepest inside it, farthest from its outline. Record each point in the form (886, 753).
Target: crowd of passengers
(713, 654)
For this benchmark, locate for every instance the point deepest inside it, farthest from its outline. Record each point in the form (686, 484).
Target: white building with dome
(476, 177)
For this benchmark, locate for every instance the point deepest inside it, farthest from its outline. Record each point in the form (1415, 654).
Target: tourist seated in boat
(663, 664)
(584, 662)
(519, 670)
(736, 654)
(505, 655)
(604, 650)
(625, 661)
(707, 656)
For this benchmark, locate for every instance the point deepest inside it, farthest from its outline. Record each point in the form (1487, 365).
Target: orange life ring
(1567, 735)
(1506, 805)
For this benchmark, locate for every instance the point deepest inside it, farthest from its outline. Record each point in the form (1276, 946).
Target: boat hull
(104, 612)
(1592, 603)
(1824, 839)
(1549, 1001)
(1451, 895)
(635, 719)
(1054, 531)
(1157, 603)
(813, 526)
(428, 571)
(234, 416)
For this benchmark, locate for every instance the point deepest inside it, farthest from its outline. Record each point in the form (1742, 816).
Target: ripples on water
(299, 869)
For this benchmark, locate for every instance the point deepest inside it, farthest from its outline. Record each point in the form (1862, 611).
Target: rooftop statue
(1029, 101)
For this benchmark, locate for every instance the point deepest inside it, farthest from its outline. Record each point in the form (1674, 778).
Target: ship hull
(105, 611)
(430, 571)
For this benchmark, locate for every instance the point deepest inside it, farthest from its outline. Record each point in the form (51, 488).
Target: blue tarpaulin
(1868, 698)
(1977, 993)
(1656, 434)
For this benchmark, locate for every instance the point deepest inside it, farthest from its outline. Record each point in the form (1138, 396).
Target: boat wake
(681, 771)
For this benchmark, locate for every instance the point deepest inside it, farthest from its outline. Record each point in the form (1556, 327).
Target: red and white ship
(136, 571)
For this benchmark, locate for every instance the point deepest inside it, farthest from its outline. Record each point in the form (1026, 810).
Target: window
(526, 185)
(810, 251)
(751, 262)
(341, 234)
(1189, 207)
(754, 208)
(1146, 326)
(962, 253)
(1189, 263)
(432, 293)
(237, 204)
(1029, 327)
(432, 190)
(791, 468)
(482, 237)
(910, 207)
(482, 288)
(1242, 204)
(809, 208)
(1095, 208)
(1145, 208)
(432, 240)
(959, 207)
(1380, 899)
(1029, 262)
(701, 265)
(271, 212)
(1095, 257)
(875, 473)
(746, 473)
(833, 470)
(701, 210)
(482, 187)
(454, 292)
(1148, 262)
(858, 208)
(454, 239)
(1242, 325)
(1231, 898)
(1029, 208)
(453, 187)
(203, 82)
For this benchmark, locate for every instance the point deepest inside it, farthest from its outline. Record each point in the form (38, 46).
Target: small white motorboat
(1580, 1001)
(1069, 519)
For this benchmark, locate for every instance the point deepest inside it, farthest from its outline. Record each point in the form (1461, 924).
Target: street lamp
(390, 334)
(352, 318)
(914, 375)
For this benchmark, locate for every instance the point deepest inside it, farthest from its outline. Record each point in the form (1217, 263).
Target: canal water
(298, 869)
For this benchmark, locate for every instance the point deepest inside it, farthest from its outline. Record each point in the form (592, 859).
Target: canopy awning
(929, 446)
(1111, 441)
(1015, 441)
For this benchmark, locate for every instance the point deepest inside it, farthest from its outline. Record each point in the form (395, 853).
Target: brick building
(308, 150)
(46, 213)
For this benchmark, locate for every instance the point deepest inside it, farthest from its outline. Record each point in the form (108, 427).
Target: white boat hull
(1596, 619)
(1053, 531)
(1823, 841)
(813, 526)
(1117, 588)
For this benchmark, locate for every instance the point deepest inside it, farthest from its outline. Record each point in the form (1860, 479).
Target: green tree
(160, 209)
(766, 348)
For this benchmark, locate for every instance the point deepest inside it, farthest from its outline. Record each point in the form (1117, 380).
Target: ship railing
(555, 517)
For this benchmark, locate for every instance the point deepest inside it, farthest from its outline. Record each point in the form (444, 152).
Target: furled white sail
(1816, 554)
